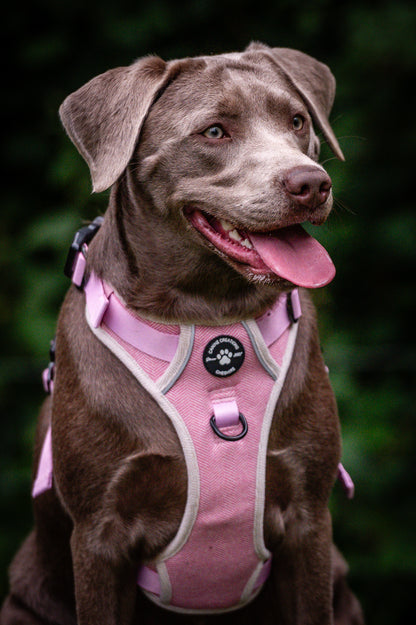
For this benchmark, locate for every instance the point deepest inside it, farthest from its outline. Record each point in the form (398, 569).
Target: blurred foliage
(366, 314)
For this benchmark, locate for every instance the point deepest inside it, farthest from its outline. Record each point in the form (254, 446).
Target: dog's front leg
(105, 588)
(302, 574)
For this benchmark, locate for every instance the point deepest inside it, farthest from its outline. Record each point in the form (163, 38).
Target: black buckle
(289, 307)
(49, 373)
(82, 237)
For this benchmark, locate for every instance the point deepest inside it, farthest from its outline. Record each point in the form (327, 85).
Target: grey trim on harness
(180, 360)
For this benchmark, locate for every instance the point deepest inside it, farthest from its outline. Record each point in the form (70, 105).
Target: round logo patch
(223, 356)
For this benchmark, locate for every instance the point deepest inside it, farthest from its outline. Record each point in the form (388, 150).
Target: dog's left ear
(312, 80)
(104, 117)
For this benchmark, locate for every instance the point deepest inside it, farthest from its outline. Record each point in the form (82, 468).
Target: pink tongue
(294, 255)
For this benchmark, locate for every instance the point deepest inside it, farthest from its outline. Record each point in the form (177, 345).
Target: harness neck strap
(104, 306)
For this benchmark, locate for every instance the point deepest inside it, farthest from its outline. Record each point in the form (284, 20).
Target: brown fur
(139, 128)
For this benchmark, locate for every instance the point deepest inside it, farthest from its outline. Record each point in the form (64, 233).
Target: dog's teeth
(226, 225)
(235, 235)
(246, 243)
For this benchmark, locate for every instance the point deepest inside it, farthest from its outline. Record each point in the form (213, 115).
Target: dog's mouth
(289, 253)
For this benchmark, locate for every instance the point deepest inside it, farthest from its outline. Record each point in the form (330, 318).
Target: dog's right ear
(104, 117)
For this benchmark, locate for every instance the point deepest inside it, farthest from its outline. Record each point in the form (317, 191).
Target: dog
(191, 440)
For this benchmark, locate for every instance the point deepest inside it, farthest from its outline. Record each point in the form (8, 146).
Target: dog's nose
(308, 186)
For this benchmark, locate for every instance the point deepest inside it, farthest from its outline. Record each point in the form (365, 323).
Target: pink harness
(219, 387)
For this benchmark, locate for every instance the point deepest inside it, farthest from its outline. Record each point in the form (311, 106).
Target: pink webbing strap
(225, 408)
(264, 574)
(110, 311)
(226, 413)
(79, 268)
(44, 475)
(346, 481)
(148, 580)
(275, 321)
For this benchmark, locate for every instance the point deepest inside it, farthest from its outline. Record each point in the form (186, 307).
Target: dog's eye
(297, 122)
(214, 132)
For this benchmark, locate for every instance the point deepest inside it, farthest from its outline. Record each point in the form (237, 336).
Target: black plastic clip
(82, 237)
(49, 373)
(289, 306)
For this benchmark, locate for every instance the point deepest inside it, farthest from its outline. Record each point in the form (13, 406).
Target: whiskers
(342, 205)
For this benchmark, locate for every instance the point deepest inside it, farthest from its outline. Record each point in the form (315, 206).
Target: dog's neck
(163, 277)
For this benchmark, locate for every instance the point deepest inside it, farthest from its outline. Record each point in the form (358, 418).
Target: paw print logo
(224, 356)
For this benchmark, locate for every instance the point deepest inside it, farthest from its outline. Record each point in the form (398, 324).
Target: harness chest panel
(222, 537)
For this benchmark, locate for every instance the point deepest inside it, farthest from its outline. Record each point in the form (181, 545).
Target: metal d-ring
(218, 432)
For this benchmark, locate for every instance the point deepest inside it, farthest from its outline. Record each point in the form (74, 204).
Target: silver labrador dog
(184, 460)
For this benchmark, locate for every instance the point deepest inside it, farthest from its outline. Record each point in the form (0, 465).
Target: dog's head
(224, 151)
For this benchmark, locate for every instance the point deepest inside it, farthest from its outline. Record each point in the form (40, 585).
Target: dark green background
(366, 314)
